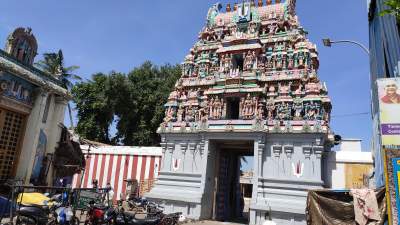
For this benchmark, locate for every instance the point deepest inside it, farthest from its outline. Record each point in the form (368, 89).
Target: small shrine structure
(249, 87)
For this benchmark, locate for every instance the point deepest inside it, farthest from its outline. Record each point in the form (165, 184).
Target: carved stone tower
(22, 45)
(249, 86)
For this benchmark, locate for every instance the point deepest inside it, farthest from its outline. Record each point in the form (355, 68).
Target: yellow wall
(355, 173)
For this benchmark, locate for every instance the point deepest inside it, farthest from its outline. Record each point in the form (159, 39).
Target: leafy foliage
(133, 101)
(393, 8)
(53, 64)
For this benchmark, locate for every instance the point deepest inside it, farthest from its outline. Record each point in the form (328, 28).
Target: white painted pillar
(30, 139)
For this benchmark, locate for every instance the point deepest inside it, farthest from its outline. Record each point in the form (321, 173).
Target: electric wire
(350, 115)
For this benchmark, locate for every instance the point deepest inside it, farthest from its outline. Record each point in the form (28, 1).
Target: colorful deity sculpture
(169, 114)
(228, 57)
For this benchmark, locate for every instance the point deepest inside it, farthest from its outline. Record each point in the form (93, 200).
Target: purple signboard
(390, 129)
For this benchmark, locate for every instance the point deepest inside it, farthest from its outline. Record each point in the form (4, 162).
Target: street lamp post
(328, 43)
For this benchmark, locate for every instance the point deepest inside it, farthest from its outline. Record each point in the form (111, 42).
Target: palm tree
(53, 64)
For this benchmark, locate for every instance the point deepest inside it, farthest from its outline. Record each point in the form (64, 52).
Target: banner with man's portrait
(389, 106)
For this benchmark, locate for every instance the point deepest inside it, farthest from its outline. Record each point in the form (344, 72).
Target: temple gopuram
(249, 87)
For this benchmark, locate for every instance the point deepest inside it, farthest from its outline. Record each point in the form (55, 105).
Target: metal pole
(353, 42)
(84, 169)
(12, 203)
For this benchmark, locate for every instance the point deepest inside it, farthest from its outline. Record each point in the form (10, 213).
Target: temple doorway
(231, 195)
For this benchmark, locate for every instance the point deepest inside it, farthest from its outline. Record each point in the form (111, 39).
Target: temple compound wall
(249, 87)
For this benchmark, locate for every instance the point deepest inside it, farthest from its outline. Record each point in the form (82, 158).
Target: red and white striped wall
(114, 164)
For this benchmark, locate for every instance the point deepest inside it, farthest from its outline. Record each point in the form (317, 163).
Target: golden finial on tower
(228, 7)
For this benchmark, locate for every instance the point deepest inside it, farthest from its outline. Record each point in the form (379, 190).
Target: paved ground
(211, 222)
(82, 218)
(204, 222)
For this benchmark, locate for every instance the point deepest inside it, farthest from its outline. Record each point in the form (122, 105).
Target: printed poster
(392, 174)
(396, 178)
(389, 106)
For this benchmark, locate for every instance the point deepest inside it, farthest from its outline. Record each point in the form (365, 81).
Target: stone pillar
(53, 130)
(30, 139)
(183, 148)
(170, 153)
(259, 147)
(318, 151)
(164, 150)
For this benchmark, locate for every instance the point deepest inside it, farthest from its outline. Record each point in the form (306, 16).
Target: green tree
(149, 87)
(393, 8)
(53, 64)
(95, 108)
(133, 102)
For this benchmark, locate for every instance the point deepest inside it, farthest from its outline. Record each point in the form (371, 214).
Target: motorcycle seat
(35, 205)
(100, 206)
(146, 221)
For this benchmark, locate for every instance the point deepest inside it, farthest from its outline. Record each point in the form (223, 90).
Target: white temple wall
(34, 125)
(276, 183)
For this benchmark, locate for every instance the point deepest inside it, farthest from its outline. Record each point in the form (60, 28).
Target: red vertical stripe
(116, 179)
(126, 168)
(87, 168)
(101, 175)
(96, 159)
(152, 169)
(144, 160)
(110, 165)
(78, 180)
(134, 167)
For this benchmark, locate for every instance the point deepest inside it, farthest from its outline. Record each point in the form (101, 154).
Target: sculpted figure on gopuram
(246, 54)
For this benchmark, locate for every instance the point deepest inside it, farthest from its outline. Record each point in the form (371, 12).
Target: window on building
(46, 109)
(232, 109)
(237, 61)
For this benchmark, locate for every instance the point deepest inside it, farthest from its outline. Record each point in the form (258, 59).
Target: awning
(239, 47)
(336, 207)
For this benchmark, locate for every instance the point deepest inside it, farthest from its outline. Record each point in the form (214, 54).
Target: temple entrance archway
(229, 201)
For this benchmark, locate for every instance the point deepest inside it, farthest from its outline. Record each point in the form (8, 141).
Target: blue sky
(101, 35)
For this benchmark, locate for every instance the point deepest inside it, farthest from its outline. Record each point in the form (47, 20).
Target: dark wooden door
(222, 199)
(12, 126)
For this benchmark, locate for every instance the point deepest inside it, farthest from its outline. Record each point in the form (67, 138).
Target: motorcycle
(56, 212)
(66, 216)
(35, 215)
(99, 214)
(137, 204)
(154, 216)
